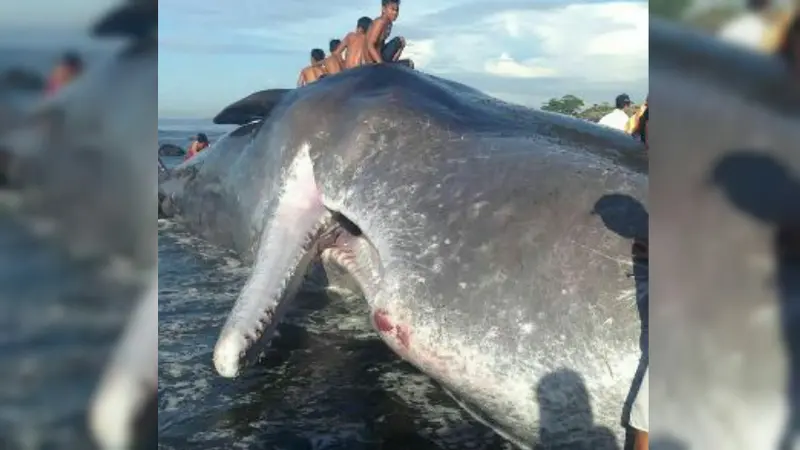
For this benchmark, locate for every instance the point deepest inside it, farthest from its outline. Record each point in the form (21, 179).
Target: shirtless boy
(313, 72)
(333, 63)
(378, 50)
(355, 43)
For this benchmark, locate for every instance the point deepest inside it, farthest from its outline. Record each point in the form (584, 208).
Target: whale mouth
(301, 230)
(332, 241)
(257, 313)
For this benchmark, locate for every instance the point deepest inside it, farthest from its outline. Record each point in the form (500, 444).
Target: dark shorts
(392, 48)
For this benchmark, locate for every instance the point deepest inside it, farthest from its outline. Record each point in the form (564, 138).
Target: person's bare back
(313, 72)
(333, 63)
(355, 44)
(310, 74)
(356, 50)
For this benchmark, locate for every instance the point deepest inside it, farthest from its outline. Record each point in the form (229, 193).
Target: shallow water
(59, 319)
(328, 382)
(58, 322)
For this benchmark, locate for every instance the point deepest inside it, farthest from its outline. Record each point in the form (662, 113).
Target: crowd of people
(367, 44)
(632, 124)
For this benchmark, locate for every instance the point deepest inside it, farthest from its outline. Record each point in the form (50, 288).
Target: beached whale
(83, 172)
(493, 243)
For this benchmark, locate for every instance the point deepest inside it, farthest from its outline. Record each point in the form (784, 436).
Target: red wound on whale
(385, 325)
(382, 322)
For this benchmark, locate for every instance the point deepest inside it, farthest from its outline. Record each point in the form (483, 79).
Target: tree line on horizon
(572, 105)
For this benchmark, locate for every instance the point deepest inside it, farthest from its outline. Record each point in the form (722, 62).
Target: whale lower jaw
(284, 252)
(249, 329)
(300, 228)
(350, 263)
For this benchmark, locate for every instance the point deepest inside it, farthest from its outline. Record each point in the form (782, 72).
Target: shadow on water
(565, 412)
(762, 187)
(628, 218)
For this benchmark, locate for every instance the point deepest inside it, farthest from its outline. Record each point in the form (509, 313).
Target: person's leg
(641, 441)
(391, 50)
(640, 413)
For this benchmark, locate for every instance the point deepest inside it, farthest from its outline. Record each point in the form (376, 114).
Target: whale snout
(127, 416)
(229, 353)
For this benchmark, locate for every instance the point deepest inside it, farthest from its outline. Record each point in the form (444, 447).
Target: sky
(212, 52)
(34, 33)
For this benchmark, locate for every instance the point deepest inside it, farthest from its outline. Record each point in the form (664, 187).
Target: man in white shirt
(750, 28)
(618, 118)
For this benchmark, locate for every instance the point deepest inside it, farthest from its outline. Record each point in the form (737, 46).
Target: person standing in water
(314, 71)
(68, 68)
(200, 143)
(378, 50)
(355, 44)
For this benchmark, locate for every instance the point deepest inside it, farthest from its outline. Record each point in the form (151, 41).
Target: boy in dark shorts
(378, 50)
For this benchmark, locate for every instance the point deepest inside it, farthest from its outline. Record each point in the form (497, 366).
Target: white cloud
(597, 42)
(525, 51)
(505, 66)
(420, 51)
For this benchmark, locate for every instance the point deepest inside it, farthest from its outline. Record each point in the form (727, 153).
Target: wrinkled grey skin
(82, 162)
(482, 246)
(726, 239)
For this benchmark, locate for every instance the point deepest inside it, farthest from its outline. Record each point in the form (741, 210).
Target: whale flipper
(133, 19)
(255, 106)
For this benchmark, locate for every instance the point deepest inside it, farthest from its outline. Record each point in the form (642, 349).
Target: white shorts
(640, 410)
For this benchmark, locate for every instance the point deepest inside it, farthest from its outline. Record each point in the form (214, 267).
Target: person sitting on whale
(315, 71)
(355, 44)
(378, 50)
(333, 63)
